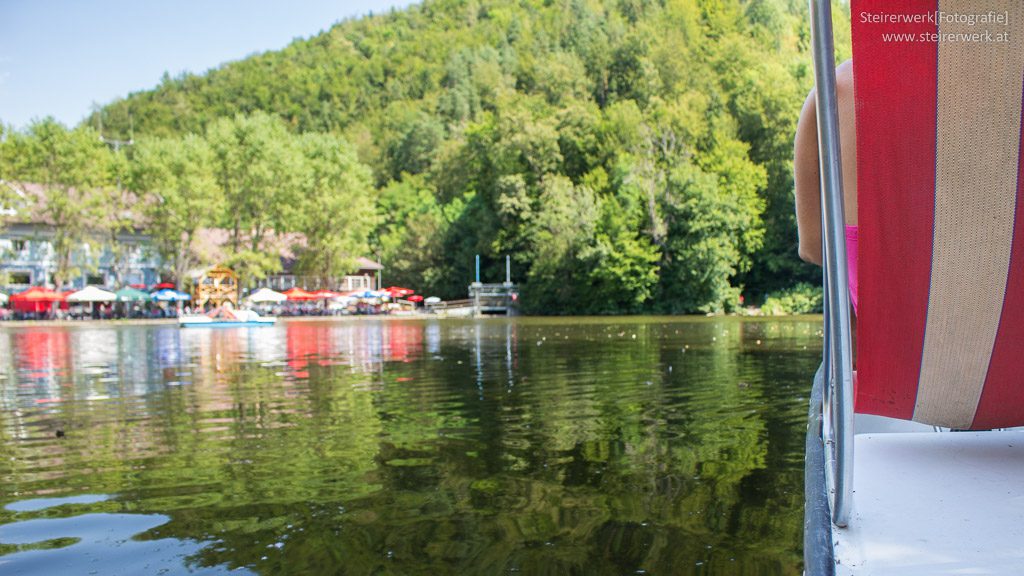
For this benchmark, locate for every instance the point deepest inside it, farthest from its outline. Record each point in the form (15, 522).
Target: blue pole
(477, 268)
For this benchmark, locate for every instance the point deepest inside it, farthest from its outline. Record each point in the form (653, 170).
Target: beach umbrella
(165, 286)
(35, 299)
(266, 295)
(38, 294)
(398, 291)
(415, 298)
(432, 300)
(326, 294)
(132, 295)
(169, 295)
(92, 294)
(298, 294)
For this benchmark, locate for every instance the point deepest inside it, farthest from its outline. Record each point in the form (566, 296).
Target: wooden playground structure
(217, 286)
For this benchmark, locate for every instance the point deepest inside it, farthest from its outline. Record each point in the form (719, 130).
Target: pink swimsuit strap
(851, 263)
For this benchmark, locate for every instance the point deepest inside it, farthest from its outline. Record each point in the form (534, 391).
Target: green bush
(803, 298)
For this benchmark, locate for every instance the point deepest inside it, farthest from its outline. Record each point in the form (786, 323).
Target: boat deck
(930, 503)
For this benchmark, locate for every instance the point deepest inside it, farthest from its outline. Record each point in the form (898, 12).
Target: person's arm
(805, 165)
(807, 180)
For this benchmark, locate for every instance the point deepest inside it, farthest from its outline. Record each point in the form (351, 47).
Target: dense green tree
(417, 136)
(336, 207)
(73, 167)
(714, 229)
(411, 234)
(558, 236)
(120, 218)
(662, 129)
(623, 263)
(178, 195)
(8, 197)
(258, 169)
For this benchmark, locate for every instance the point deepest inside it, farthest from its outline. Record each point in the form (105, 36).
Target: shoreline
(17, 324)
(90, 322)
(174, 321)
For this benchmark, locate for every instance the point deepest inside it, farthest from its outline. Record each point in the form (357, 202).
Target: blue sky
(58, 57)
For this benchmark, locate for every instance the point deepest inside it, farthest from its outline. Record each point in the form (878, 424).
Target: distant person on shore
(808, 180)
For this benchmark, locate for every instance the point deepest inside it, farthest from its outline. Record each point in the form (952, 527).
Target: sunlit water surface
(529, 446)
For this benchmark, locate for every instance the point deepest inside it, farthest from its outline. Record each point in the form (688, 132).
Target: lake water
(523, 446)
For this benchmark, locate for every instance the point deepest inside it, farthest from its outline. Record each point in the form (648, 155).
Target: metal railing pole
(838, 434)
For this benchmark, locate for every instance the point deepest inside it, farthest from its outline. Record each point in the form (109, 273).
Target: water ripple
(655, 444)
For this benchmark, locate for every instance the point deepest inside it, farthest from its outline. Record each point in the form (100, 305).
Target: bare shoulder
(844, 85)
(844, 76)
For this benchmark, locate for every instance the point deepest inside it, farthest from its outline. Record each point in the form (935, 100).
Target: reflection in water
(543, 446)
(36, 504)
(96, 543)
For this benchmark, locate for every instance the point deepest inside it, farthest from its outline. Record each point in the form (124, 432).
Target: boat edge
(819, 559)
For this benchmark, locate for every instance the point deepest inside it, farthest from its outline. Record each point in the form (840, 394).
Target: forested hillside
(630, 155)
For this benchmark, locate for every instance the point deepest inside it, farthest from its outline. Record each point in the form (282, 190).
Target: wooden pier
(485, 299)
(494, 299)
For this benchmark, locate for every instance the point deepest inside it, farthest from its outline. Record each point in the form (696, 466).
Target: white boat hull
(926, 502)
(207, 322)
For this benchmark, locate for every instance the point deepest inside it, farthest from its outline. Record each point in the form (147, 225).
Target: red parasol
(398, 291)
(165, 286)
(415, 298)
(37, 294)
(36, 299)
(298, 294)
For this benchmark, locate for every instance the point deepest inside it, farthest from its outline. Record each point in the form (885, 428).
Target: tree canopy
(630, 155)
